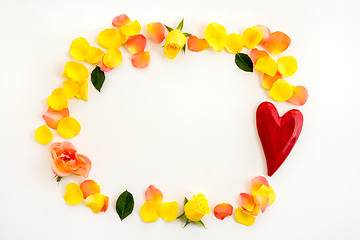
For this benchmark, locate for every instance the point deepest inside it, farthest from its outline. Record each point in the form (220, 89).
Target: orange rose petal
(243, 217)
(300, 96)
(103, 67)
(87, 165)
(223, 210)
(264, 197)
(153, 194)
(277, 42)
(57, 171)
(257, 182)
(121, 20)
(156, 32)
(266, 65)
(89, 187)
(268, 80)
(106, 204)
(263, 202)
(247, 203)
(81, 167)
(265, 32)
(256, 210)
(255, 54)
(136, 43)
(52, 117)
(197, 45)
(140, 60)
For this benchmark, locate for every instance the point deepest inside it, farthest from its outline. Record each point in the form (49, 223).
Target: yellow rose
(175, 41)
(197, 207)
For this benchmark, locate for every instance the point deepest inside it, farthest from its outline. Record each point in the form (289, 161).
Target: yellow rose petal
(234, 43)
(110, 38)
(57, 100)
(80, 49)
(130, 29)
(168, 211)
(171, 50)
(83, 91)
(95, 55)
(281, 90)
(252, 37)
(287, 65)
(95, 202)
(149, 211)
(75, 71)
(112, 58)
(216, 36)
(43, 135)
(266, 65)
(71, 88)
(68, 127)
(264, 197)
(73, 194)
(243, 217)
(266, 191)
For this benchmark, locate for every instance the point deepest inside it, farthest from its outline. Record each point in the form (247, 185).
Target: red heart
(278, 135)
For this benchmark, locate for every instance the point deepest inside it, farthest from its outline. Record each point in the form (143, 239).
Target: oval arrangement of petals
(255, 48)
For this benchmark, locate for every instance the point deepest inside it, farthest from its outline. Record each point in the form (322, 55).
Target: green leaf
(187, 222)
(187, 34)
(243, 61)
(124, 205)
(97, 78)
(182, 216)
(180, 25)
(200, 223)
(185, 201)
(184, 48)
(168, 28)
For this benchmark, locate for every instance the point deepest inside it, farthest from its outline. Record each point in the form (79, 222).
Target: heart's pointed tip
(271, 171)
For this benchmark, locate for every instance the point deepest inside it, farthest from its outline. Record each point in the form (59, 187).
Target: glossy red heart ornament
(278, 135)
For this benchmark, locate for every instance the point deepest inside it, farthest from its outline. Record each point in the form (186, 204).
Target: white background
(186, 125)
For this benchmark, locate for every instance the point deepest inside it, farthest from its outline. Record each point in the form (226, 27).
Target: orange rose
(66, 160)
